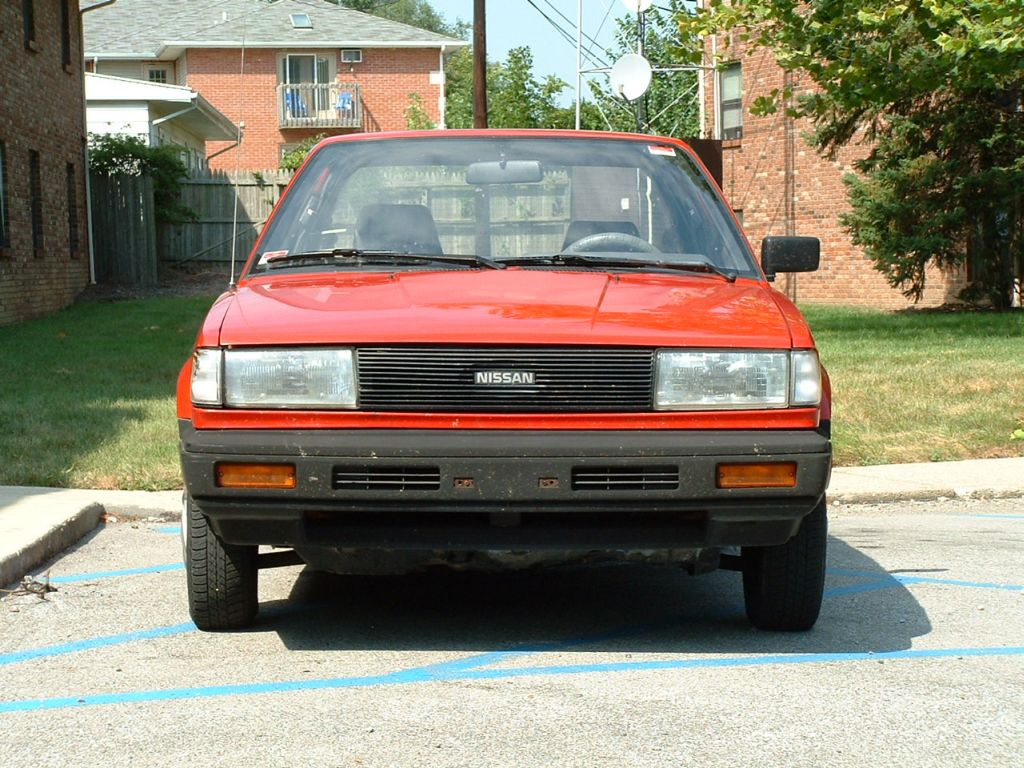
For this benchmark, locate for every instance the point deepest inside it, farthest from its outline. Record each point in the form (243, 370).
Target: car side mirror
(789, 254)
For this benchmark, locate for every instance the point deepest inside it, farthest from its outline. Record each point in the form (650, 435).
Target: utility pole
(479, 65)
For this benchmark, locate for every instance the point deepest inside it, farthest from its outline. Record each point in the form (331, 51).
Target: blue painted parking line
(889, 581)
(484, 665)
(95, 642)
(62, 649)
(907, 579)
(75, 577)
(739, 661)
(450, 672)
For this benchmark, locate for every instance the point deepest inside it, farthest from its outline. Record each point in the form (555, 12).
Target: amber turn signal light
(774, 475)
(232, 475)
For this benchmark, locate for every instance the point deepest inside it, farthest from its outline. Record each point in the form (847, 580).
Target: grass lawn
(922, 386)
(87, 395)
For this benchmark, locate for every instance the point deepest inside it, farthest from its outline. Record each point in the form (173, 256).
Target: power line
(572, 25)
(607, 15)
(566, 35)
(551, 21)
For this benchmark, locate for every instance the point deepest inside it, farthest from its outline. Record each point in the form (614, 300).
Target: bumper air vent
(355, 478)
(625, 478)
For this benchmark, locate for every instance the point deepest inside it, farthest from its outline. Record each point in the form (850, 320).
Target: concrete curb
(59, 531)
(36, 524)
(920, 495)
(971, 479)
(140, 505)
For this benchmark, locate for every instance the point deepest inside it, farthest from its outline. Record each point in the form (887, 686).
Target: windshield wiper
(362, 256)
(583, 260)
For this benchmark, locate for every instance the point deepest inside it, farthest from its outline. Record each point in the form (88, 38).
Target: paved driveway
(918, 660)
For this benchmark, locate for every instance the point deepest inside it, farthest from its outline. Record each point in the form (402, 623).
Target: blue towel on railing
(345, 101)
(296, 106)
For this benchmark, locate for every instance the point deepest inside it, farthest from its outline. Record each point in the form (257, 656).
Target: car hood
(512, 306)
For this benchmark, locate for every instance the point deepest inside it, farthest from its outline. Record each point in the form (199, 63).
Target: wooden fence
(231, 210)
(124, 229)
(214, 197)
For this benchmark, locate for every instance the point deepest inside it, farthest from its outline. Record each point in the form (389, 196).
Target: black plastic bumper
(502, 489)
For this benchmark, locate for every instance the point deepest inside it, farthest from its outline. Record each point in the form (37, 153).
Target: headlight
(707, 380)
(274, 378)
(806, 388)
(206, 372)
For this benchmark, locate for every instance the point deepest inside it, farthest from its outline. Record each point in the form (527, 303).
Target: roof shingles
(144, 28)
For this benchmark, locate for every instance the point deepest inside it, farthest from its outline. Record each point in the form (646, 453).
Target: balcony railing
(320, 105)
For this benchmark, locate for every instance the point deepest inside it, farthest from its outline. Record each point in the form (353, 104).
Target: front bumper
(505, 489)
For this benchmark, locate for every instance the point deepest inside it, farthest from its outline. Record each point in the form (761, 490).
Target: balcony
(319, 105)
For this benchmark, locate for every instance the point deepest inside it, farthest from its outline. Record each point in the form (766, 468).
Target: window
(156, 74)
(72, 182)
(35, 192)
(5, 232)
(351, 55)
(306, 68)
(311, 77)
(730, 108)
(301, 21)
(28, 19)
(65, 33)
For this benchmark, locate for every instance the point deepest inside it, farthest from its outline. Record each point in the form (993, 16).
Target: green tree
(515, 97)
(519, 99)
(293, 158)
(934, 88)
(416, 117)
(670, 107)
(458, 89)
(113, 154)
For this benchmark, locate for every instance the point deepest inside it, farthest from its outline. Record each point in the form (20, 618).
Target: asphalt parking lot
(917, 660)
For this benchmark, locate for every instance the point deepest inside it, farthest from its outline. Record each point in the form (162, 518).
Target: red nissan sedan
(500, 349)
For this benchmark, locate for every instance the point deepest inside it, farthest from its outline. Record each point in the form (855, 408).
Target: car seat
(397, 227)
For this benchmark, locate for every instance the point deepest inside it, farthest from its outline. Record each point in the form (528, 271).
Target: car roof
(492, 133)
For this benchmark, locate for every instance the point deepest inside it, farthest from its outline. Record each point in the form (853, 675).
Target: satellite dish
(631, 76)
(637, 6)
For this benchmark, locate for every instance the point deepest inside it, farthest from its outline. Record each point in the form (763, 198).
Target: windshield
(517, 200)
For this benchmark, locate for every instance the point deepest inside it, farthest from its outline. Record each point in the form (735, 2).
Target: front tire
(222, 578)
(783, 585)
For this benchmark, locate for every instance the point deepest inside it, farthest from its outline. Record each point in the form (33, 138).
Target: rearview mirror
(505, 172)
(789, 254)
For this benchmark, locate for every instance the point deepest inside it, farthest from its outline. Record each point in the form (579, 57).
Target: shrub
(113, 154)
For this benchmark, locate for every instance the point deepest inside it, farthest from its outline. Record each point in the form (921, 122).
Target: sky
(512, 23)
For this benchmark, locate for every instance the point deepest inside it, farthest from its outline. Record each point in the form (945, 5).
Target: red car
(502, 348)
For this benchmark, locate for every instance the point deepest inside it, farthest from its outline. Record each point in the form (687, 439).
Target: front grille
(524, 379)
(625, 478)
(361, 478)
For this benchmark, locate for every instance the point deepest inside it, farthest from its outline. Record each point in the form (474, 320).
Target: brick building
(288, 69)
(44, 261)
(779, 185)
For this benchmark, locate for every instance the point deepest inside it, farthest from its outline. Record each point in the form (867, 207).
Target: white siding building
(158, 113)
